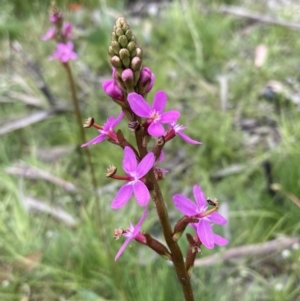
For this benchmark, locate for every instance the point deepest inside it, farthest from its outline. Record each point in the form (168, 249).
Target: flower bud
(129, 34)
(120, 22)
(114, 37)
(139, 53)
(55, 15)
(146, 81)
(123, 45)
(131, 46)
(111, 88)
(125, 57)
(116, 62)
(111, 51)
(123, 41)
(115, 46)
(136, 64)
(119, 32)
(128, 80)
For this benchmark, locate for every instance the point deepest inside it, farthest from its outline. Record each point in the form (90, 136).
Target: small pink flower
(133, 232)
(67, 30)
(50, 34)
(56, 17)
(106, 131)
(204, 226)
(64, 52)
(135, 171)
(111, 88)
(155, 115)
(147, 79)
(177, 129)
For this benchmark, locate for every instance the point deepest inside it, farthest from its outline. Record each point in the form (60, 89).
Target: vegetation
(197, 54)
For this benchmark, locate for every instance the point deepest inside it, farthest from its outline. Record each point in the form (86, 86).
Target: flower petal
(117, 120)
(49, 34)
(139, 105)
(219, 240)
(108, 123)
(138, 225)
(95, 140)
(141, 193)
(73, 56)
(156, 129)
(199, 196)
(122, 196)
(217, 218)
(184, 205)
(129, 160)
(111, 88)
(205, 233)
(145, 165)
(159, 102)
(126, 242)
(131, 235)
(161, 157)
(169, 116)
(187, 138)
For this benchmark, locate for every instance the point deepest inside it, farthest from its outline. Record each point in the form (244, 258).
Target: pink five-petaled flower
(135, 173)
(133, 232)
(204, 226)
(106, 131)
(64, 52)
(155, 114)
(177, 129)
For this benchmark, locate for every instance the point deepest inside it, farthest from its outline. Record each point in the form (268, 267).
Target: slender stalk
(177, 257)
(83, 138)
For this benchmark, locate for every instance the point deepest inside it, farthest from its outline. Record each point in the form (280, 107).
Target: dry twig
(250, 250)
(240, 12)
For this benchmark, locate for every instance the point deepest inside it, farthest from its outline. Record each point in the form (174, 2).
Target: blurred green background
(235, 81)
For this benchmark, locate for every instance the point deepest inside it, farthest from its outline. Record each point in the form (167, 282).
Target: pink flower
(106, 131)
(64, 52)
(56, 17)
(177, 129)
(146, 79)
(155, 115)
(111, 88)
(67, 30)
(135, 171)
(133, 232)
(50, 34)
(204, 226)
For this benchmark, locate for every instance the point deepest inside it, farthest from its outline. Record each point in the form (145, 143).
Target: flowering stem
(177, 257)
(82, 134)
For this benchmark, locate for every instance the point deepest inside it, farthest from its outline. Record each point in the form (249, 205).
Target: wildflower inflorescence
(61, 32)
(128, 88)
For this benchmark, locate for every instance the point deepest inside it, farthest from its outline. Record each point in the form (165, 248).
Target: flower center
(155, 116)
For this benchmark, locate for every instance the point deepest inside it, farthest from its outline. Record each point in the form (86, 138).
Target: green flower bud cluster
(124, 53)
